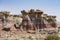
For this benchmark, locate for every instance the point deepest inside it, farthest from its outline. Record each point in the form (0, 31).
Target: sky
(50, 7)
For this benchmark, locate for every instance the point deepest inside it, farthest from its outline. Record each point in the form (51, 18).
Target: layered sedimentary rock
(31, 20)
(52, 21)
(36, 19)
(3, 19)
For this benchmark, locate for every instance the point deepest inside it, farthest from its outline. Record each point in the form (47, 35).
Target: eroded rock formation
(31, 20)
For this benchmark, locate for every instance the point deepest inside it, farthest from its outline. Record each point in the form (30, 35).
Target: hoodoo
(31, 20)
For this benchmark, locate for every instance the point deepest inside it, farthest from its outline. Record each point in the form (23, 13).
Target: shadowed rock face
(52, 21)
(3, 18)
(26, 22)
(31, 20)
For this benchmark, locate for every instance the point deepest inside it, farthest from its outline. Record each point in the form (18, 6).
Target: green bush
(52, 37)
(37, 38)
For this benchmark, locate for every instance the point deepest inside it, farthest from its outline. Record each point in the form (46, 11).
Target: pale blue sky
(51, 7)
